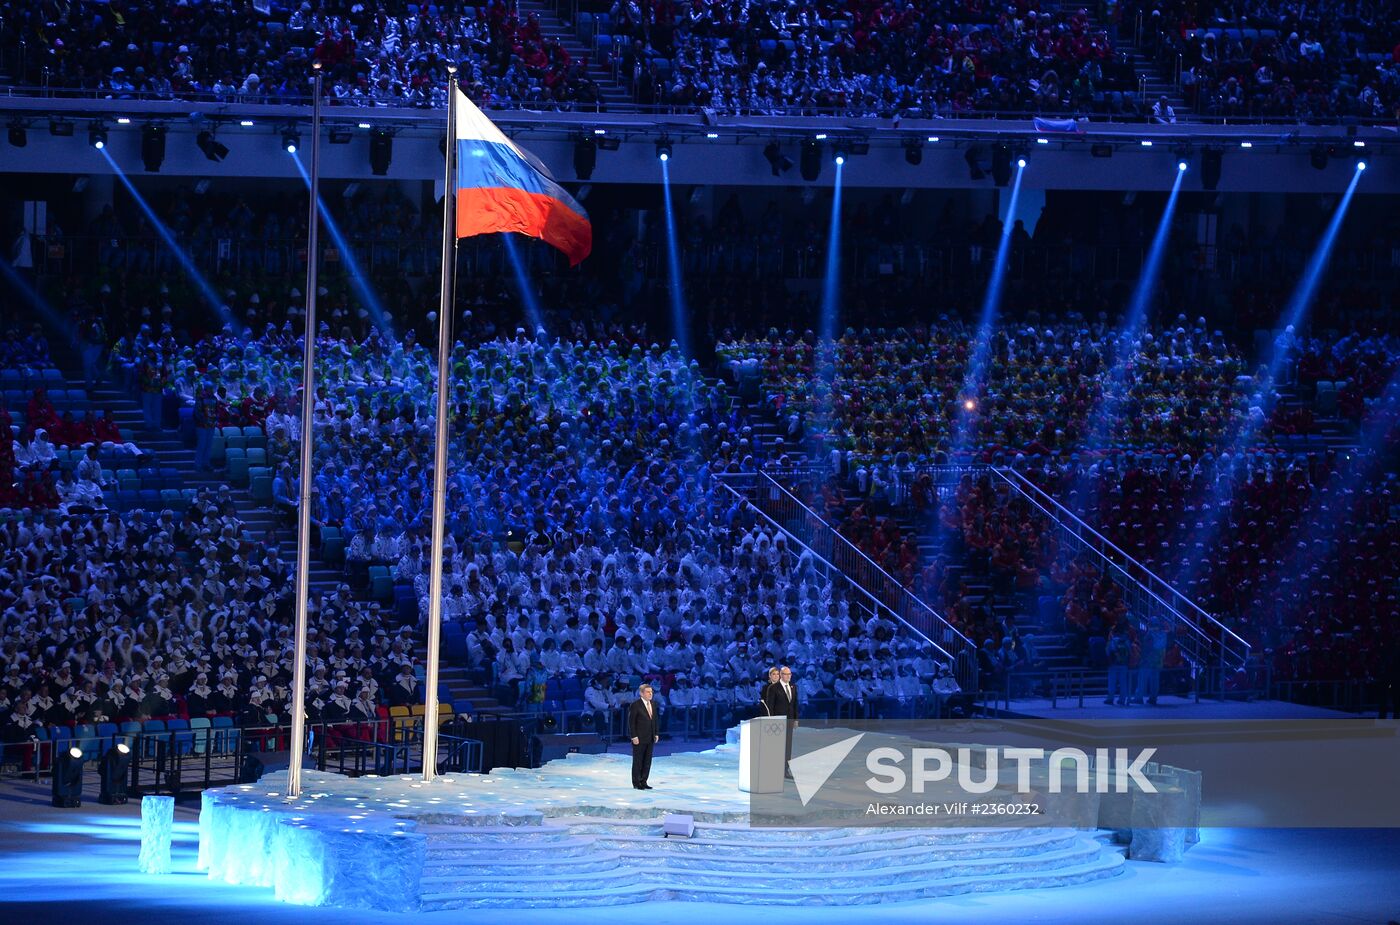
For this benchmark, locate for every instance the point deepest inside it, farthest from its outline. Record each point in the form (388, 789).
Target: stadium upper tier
(865, 58)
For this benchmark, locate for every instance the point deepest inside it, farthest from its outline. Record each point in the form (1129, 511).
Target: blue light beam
(676, 285)
(1256, 414)
(1106, 415)
(533, 315)
(207, 290)
(974, 380)
(358, 281)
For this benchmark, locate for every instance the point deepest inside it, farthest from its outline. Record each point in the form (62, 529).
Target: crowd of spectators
(898, 396)
(113, 617)
(583, 496)
(1328, 60)
(926, 59)
(393, 54)
(1303, 561)
(586, 536)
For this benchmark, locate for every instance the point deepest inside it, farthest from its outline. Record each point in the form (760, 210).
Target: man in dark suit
(642, 726)
(780, 699)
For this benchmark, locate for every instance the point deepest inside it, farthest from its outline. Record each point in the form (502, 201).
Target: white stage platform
(575, 833)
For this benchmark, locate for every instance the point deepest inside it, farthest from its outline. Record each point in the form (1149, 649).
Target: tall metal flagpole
(308, 405)
(449, 259)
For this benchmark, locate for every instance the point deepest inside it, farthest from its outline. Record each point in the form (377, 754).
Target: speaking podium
(762, 754)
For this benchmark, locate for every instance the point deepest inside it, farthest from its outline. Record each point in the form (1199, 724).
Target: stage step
(784, 843)
(911, 883)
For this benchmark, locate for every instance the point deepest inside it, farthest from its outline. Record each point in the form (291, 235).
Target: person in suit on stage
(765, 699)
(780, 699)
(642, 727)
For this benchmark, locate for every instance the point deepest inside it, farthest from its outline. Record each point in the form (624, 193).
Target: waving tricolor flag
(502, 188)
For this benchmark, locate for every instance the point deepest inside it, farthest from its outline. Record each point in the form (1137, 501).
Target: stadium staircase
(1151, 85)
(256, 512)
(582, 39)
(1036, 613)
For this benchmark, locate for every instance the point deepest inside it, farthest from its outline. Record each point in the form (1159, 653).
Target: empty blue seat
(107, 735)
(152, 733)
(181, 736)
(225, 738)
(85, 737)
(199, 727)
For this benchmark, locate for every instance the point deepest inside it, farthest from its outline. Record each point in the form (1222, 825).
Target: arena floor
(72, 865)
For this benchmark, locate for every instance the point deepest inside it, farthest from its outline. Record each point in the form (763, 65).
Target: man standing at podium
(641, 726)
(780, 699)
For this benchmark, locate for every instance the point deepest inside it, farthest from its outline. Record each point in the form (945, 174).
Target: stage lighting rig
(212, 148)
(152, 146)
(779, 162)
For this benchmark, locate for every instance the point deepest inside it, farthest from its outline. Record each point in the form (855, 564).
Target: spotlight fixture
(339, 136)
(97, 134)
(291, 141)
(112, 770)
(969, 404)
(381, 151)
(773, 154)
(68, 778)
(974, 169)
(1001, 164)
(60, 128)
(212, 148)
(585, 157)
(913, 151)
(1318, 157)
(1360, 166)
(1181, 166)
(19, 136)
(1210, 167)
(663, 149)
(839, 155)
(811, 160)
(1021, 162)
(152, 146)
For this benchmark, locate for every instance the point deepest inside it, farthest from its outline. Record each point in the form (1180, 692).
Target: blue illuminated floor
(70, 865)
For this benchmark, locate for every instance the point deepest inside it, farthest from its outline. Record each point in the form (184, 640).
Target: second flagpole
(439, 515)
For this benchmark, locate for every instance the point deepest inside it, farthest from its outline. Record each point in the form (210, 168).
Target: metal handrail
(1022, 480)
(1126, 575)
(875, 603)
(45, 91)
(954, 641)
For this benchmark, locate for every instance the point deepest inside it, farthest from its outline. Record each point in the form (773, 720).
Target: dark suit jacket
(778, 703)
(639, 725)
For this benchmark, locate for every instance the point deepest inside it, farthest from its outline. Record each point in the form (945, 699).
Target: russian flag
(501, 188)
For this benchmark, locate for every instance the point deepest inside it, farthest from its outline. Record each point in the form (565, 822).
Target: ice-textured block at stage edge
(157, 819)
(318, 865)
